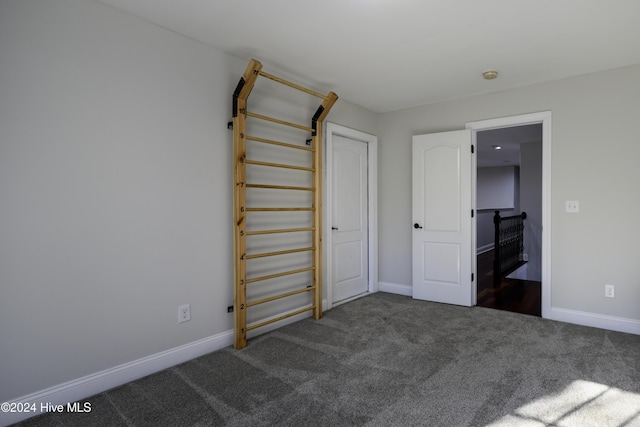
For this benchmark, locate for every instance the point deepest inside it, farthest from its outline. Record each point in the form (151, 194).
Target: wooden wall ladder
(242, 212)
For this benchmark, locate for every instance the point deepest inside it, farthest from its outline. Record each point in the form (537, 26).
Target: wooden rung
(279, 209)
(276, 319)
(283, 230)
(281, 122)
(281, 144)
(293, 85)
(278, 165)
(311, 249)
(285, 295)
(289, 251)
(284, 273)
(280, 187)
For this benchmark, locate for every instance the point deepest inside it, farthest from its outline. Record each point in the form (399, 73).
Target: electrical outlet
(184, 313)
(572, 206)
(609, 291)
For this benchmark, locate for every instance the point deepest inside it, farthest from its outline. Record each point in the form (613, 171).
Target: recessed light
(496, 147)
(490, 74)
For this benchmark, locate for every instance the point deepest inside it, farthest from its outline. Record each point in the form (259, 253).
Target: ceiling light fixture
(490, 74)
(496, 147)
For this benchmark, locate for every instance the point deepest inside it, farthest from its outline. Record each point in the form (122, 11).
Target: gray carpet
(387, 360)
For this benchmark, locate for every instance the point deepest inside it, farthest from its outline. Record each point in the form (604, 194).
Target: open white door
(442, 218)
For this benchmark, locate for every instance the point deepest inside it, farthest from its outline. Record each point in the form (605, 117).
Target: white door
(442, 218)
(349, 218)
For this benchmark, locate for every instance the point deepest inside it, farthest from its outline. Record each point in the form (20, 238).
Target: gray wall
(594, 158)
(115, 190)
(496, 189)
(531, 203)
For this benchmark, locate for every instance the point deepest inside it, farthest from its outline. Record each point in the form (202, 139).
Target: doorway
(350, 214)
(527, 138)
(509, 182)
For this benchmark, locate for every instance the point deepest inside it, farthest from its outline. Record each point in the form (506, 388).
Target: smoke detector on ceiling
(490, 74)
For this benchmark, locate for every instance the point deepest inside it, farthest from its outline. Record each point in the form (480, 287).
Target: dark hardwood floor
(519, 296)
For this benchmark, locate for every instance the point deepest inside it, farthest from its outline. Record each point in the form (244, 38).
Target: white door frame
(332, 130)
(544, 118)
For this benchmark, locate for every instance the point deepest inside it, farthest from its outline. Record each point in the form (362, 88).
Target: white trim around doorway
(544, 118)
(372, 185)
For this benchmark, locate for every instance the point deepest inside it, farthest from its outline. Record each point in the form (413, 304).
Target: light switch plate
(572, 206)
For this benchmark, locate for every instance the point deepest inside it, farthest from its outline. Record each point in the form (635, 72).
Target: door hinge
(472, 276)
(472, 149)
(472, 213)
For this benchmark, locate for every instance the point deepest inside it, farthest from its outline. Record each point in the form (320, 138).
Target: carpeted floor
(389, 360)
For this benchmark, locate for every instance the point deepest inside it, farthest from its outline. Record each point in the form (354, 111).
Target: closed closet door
(349, 218)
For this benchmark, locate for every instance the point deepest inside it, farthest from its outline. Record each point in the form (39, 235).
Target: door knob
(416, 225)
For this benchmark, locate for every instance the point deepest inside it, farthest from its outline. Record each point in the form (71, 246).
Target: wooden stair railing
(508, 243)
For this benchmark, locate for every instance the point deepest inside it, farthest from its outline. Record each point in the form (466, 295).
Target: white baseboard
(92, 384)
(395, 288)
(81, 388)
(485, 248)
(613, 323)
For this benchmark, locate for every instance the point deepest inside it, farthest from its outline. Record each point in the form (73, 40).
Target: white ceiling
(509, 140)
(387, 55)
